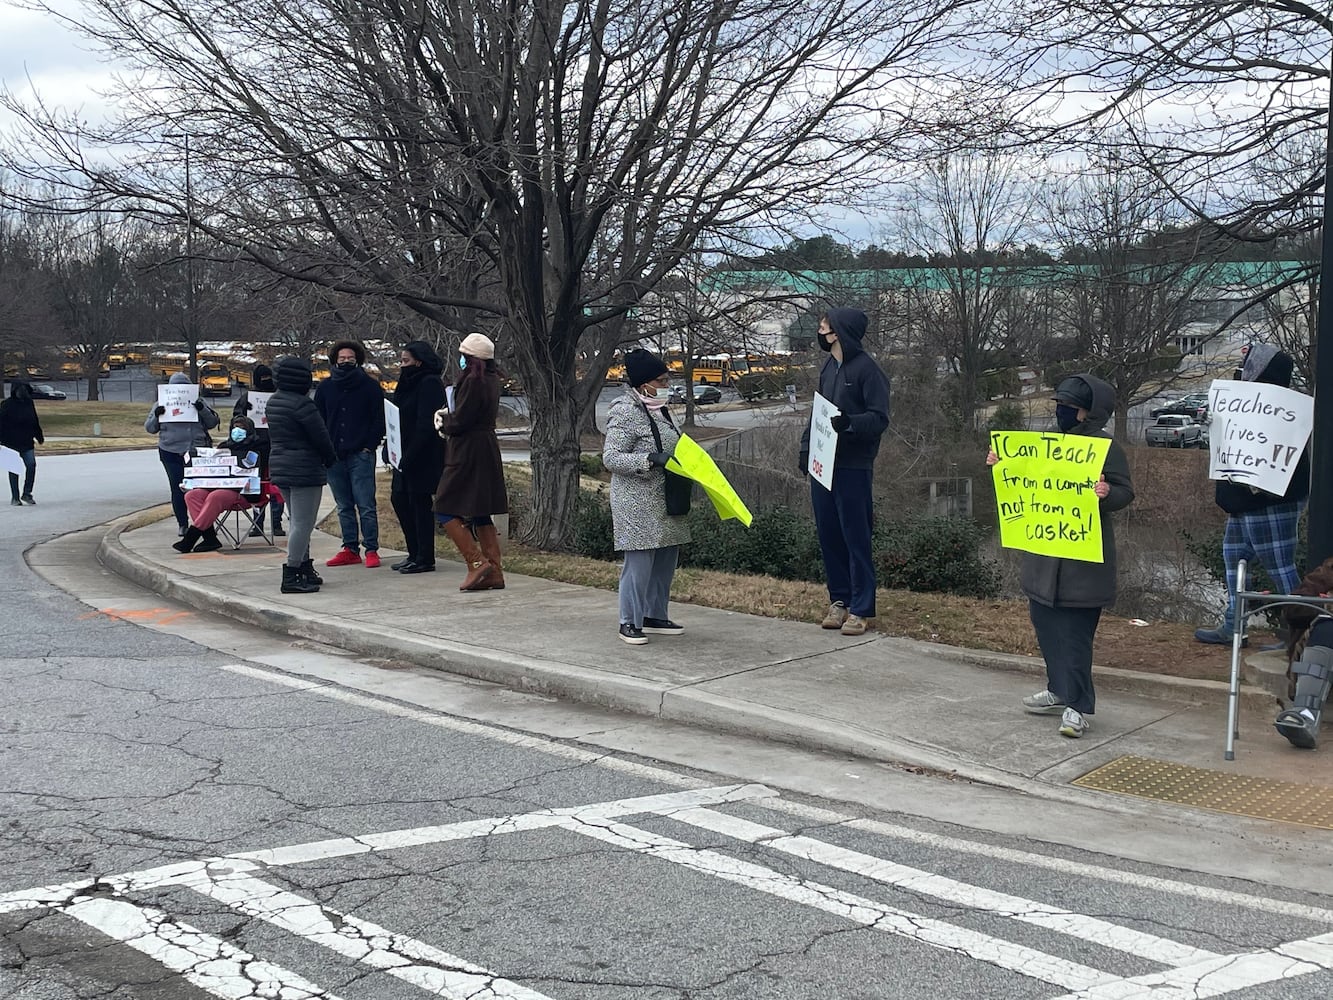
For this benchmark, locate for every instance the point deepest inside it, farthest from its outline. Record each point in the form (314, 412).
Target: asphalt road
(193, 810)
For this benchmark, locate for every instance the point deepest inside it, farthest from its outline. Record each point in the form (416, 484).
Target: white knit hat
(475, 345)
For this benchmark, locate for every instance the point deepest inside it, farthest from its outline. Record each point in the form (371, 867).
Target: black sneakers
(634, 636)
(662, 626)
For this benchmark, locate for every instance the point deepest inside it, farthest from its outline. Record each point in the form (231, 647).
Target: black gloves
(841, 422)
(159, 410)
(659, 458)
(199, 405)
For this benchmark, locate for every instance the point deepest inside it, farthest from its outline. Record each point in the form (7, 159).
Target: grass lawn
(73, 420)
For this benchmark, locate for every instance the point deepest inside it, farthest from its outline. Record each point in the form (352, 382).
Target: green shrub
(593, 535)
(1007, 417)
(935, 554)
(590, 464)
(780, 542)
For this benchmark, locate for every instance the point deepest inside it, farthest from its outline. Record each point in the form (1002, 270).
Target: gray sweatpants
(302, 509)
(645, 584)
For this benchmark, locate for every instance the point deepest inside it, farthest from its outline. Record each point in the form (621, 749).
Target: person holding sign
(857, 388)
(261, 384)
(179, 429)
(207, 503)
(472, 486)
(419, 394)
(21, 431)
(1261, 526)
(1066, 595)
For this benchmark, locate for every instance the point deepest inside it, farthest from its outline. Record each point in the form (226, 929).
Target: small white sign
(259, 408)
(823, 442)
(449, 397)
(1257, 433)
(11, 461)
(246, 484)
(179, 402)
(393, 433)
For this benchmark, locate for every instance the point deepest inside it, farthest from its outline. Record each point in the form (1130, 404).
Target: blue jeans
(352, 483)
(844, 517)
(29, 474)
(175, 466)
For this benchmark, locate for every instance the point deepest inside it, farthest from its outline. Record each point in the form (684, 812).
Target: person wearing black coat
(419, 394)
(301, 453)
(22, 431)
(261, 381)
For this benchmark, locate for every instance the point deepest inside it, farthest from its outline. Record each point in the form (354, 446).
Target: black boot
(210, 541)
(187, 540)
(294, 582)
(308, 571)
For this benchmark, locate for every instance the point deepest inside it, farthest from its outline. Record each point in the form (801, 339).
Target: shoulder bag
(679, 490)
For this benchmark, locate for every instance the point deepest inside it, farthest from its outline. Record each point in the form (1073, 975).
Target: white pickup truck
(1175, 431)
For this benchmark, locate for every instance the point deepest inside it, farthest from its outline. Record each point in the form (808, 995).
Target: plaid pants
(1268, 536)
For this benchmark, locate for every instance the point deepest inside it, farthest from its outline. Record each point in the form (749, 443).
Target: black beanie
(641, 367)
(1074, 391)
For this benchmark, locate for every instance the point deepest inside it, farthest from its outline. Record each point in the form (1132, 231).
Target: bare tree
(532, 167)
(28, 327)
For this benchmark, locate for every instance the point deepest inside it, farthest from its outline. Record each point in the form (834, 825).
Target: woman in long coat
(22, 431)
(648, 536)
(419, 394)
(473, 485)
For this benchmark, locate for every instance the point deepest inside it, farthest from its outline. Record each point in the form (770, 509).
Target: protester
(472, 486)
(206, 505)
(1260, 526)
(844, 515)
(419, 394)
(1309, 660)
(1066, 596)
(352, 405)
(21, 431)
(302, 451)
(262, 381)
(644, 532)
(175, 440)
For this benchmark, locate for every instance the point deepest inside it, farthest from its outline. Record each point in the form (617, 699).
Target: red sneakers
(372, 560)
(345, 557)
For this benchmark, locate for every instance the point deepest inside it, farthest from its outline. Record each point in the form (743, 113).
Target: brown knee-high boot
(489, 539)
(478, 569)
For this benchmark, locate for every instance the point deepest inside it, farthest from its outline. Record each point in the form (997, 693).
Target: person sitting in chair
(207, 505)
(1309, 660)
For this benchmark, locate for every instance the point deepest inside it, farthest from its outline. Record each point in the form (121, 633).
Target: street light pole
(191, 336)
(1319, 532)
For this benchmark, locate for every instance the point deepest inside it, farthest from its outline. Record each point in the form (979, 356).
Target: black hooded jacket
(302, 450)
(860, 391)
(1072, 583)
(352, 405)
(19, 427)
(419, 394)
(1265, 363)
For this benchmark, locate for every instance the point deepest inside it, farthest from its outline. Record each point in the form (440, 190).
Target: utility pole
(1319, 539)
(191, 332)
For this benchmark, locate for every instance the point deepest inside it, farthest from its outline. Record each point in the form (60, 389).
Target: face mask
(824, 344)
(1066, 417)
(238, 434)
(346, 366)
(462, 361)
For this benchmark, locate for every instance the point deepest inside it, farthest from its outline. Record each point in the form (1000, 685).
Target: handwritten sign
(258, 407)
(823, 442)
(179, 401)
(1257, 434)
(1044, 487)
(393, 433)
(219, 469)
(11, 461)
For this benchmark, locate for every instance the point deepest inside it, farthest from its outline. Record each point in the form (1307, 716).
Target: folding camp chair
(236, 524)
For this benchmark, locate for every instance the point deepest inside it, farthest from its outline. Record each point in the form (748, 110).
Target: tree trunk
(554, 444)
(93, 387)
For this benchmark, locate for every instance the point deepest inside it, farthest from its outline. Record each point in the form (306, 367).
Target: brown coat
(473, 481)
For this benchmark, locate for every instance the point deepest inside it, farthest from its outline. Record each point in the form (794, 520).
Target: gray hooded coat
(1071, 583)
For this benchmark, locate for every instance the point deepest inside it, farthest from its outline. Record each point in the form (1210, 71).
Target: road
(193, 809)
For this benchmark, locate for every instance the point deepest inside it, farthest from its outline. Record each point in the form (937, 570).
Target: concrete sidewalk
(883, 698)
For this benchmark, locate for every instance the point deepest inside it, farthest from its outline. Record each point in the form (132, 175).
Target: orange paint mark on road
(152, 616)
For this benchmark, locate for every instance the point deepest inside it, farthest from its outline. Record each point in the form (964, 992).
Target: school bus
(214, 379)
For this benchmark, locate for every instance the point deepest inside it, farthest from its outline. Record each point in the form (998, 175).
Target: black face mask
(1066, 417)
(824, 344)
(346, 366)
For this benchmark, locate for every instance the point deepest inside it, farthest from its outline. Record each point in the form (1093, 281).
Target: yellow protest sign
(692, 462)
(1044, 492)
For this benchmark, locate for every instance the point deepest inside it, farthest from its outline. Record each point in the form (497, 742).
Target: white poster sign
(823, 442)
(258, 407)
(11, 461)
(179, 401)
(393, 433)
(1257, 434)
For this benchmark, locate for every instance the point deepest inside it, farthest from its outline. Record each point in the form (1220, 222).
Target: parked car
(40, 390)
(1175, 430)
(1194, 405)
(702, 394)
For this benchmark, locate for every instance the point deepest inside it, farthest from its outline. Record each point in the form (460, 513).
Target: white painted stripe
(206, 961)
(608, 761)
(1054, 918)
(858, 909)
(1222, 975)
(403, 957)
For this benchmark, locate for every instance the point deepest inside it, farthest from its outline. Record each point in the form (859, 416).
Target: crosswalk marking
(208, 962)
(405, 958)
(858, 909)
(1097, 931)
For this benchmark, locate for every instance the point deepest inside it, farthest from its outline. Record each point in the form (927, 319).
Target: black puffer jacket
(302, 450)
(1071, 583)
(19, 427)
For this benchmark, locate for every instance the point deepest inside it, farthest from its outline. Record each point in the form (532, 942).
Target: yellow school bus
(214, 379)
